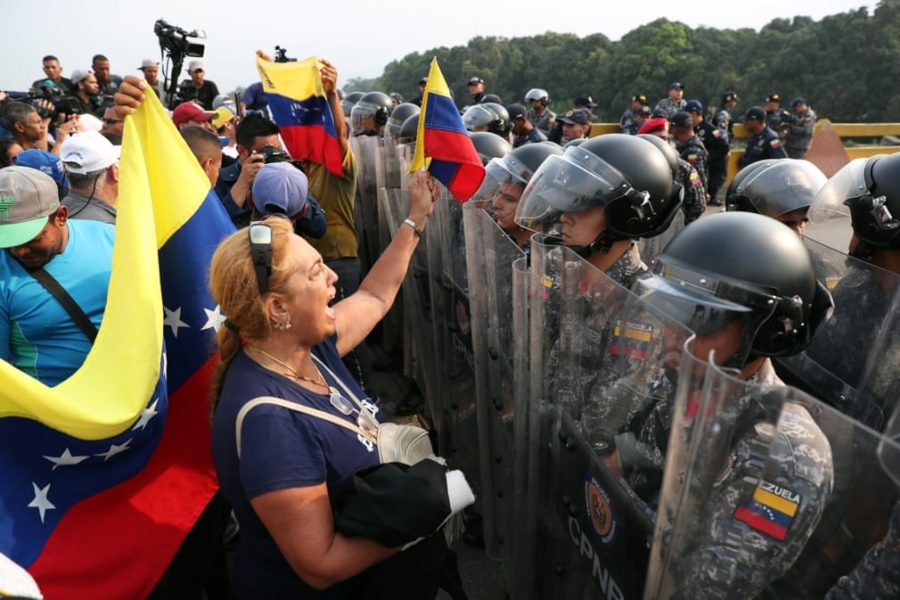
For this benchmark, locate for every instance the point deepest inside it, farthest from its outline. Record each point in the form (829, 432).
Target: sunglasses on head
(260, 235)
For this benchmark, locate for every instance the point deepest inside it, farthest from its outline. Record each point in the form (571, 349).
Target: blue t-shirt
(37, 335)
(281, 448)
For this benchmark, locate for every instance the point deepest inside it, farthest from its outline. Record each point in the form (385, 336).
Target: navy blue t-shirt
(281, 448)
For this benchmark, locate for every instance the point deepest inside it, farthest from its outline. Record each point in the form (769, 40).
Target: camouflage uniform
(693, 151)
(765, 144)
(877, 576)
(544, 122)
(694, 193)
(532, 137)
(716, 144)
(669, 106)
(799, 133)
(736, 559)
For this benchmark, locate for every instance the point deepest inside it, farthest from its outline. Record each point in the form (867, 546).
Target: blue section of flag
(443, 170)
(441, 113)
(186, 297)
(311, 111)
(80, 473)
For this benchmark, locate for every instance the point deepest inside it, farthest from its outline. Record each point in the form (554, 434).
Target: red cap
(189, 111)
(651, 125)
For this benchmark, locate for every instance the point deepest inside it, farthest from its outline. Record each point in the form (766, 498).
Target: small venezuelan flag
(771, 510)
(442, 144)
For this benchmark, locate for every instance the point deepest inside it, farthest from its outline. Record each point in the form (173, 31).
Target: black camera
(176, 40)
(281, 55)
(271, 154)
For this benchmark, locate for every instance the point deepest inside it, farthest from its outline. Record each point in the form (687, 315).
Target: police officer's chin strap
(602, 243)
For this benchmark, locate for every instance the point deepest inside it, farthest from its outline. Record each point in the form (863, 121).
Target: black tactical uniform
(765, 144)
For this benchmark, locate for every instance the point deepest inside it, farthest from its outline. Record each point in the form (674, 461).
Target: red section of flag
(760, 523)
(150, 513)
(460, 161)
(313, 143)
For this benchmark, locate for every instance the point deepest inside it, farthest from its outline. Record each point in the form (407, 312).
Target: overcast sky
(360, 41)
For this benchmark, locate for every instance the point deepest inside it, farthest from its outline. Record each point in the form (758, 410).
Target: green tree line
(847, 66)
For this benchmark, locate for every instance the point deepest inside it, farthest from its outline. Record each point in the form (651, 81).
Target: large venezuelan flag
(442, 143)
(301, 111)
(104, 474)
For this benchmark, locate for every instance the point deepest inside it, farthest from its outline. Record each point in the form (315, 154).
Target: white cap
(148, 62)
(89, 122)
(86, 152)
(194, 65)
(79, 75)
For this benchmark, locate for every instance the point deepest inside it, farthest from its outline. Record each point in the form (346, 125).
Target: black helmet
(625, 175)
(490, 115)
(409, 130)
(667, 150)
(518, 166)
(538, 94)
(398, 117)
(731, 266)
(370, 112)
(489, 145)
(575, 142)
(490, 98)
(868, 192)
(350, 100)
(775, 187)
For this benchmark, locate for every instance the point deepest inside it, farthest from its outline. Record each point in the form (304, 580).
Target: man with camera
(198, 87)
(53, 75)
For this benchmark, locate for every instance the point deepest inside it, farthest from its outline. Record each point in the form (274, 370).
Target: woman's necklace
(294, 373)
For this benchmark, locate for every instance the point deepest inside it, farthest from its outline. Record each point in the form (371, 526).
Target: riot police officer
(490, 116)
(689, 146)
(685, 174)
(489, 145)
(800, 126)
(763, 142)
(370, 114)
(716, 144)
(779, 188)
(540, 116)
(599, 196)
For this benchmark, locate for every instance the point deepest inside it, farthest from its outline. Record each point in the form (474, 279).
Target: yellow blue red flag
(442, 144)
(105, 473)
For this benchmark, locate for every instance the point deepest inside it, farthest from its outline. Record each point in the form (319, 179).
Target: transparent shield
(829, 218)
(770, 493)
(367, 150)
(652, 246)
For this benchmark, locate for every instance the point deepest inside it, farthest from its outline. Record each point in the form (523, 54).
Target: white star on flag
(113, 450)
(214, 318)
(65, 459)
(146, 416)
(40, 500)
(165, 365)
(173, 320)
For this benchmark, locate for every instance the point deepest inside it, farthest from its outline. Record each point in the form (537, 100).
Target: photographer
(254, 134)
(198, 87)
(53, 73)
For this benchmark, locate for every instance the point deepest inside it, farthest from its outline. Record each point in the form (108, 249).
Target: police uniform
(799, 133)
(722, 122)
(765, 144)
(736, 555)
(694, 203)
(669, 106)
(626, 122)
(532, 137)
(716, 145)
(543, 122)
(775, 119)
(878, 573)
(693, 151)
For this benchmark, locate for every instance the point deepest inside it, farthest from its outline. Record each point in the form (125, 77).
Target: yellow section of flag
(297, 80)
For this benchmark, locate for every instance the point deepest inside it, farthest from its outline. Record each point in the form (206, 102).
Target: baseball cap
(195, 65)
(148, 62)
(651, 125)
(773, 98)
(644, 110)
(475, 79)
(221, 116)
(423, 80)
(797, 101)
(280, 188)
(676, 85)
(729, 96)
(86, 152)
(79, 75)
(27, 198)
(642, 98)
(89, 122)
(44, 162)
(683, 120)
(516, 111)
(576, 116)
(190, 111)
(585, 100)
(693, 106)
(755, 112)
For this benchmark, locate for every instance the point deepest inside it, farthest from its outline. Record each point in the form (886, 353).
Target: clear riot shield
(769, 493)
(490, 255)
(367, 150)
(604, 366)
(652, 246)
(831, 368)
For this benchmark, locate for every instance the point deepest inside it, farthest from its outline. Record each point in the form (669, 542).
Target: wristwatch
(414, 225)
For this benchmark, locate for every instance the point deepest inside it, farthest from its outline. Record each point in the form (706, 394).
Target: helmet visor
(846, 184)
(574, 182)
(783, 187)
(477, 116)
(362, 117)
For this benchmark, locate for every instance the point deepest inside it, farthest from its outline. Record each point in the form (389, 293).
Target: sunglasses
(365, 420)
(112, 121)
(261, 252)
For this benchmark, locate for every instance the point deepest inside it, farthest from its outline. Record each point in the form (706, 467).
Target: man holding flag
(442, 144)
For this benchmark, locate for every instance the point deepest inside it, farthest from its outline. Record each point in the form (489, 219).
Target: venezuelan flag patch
(632, 340)
(771, 510)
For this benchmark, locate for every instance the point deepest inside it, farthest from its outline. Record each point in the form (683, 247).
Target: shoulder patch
(771, 510)
(776, 144)
(716, 133)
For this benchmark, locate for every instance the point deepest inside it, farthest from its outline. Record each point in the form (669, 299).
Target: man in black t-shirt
(198, 87)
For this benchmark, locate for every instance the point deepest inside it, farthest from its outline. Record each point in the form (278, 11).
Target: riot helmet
(627, 177)
(776, 188)
(370, 113)
(349, 101)
(867, 191)
(490, 117)
(398, 117)
(575, 142)
(667, 150)
(489, 146)
(537, 94)
(409, 130)
(743, 272)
